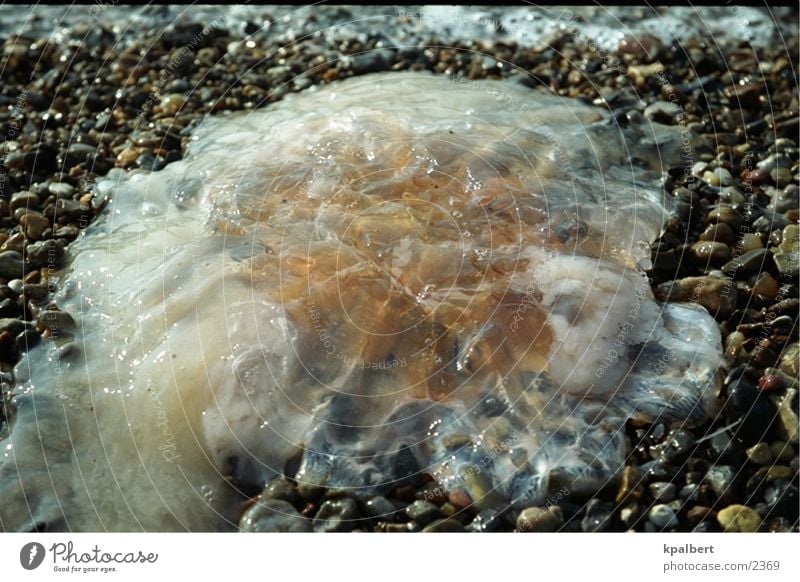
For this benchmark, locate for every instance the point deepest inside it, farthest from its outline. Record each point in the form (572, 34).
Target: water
(396, 274)
(403, 26)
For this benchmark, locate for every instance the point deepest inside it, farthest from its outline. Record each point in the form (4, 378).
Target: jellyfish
(392, 275)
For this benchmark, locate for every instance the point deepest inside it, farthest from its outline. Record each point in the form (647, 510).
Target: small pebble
(760, 454)
(538, 519)
(662, 516)
(273, 515)
(662, 492)
(739, 518)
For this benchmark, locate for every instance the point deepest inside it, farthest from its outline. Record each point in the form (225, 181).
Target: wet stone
(782, 498)
(760, 454)
(445, 526)
(273, 515)
(599, 516)
(48, 253)
(750, 262)
(662, 111)
(707, 253)
(663, 517)
(423, 512)
(783, 452)
(280, 488)
(11, 265)
(677, 445)
(719, 232)
(721, 478)
(379, 506)
(787, 425)
(718, 296)
(25, 200)
(739, 518)
(336, 515)
(538, 519)
(662, 492)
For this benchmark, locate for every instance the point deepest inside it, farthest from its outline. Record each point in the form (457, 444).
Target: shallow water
(397, 274)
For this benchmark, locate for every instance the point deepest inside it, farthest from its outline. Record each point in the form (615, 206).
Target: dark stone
(599, 516)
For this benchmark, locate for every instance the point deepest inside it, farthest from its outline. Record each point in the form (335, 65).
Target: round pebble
(662, 516)
(739, 518)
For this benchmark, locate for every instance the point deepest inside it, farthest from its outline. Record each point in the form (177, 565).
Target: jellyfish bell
(393, 275)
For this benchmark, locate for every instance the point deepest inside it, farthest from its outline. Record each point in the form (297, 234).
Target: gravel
(94, 97)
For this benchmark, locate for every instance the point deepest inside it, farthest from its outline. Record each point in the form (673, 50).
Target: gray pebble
(720, 478)
(599, 516)
(379, 506)
(662, 516)
(539, 519)
(662, 492)
(11, 265)
(423, 512)
(273, 515)
(336, 515)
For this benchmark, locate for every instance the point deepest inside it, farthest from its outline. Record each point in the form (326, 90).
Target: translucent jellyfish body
(393, 275)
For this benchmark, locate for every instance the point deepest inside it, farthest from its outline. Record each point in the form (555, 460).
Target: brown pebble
(770, 384)
(709, 252)
(719, 232)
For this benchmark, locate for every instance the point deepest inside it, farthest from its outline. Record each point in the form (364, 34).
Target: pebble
(718, 177)
(783, 452)
(540, 520)
(739, 518)
(61, 189)
(56, 322)
(423, 512)
(721, 478)
(11, 265)
(34, 224)
(775, 161)
(719, 232)
(675, 447)
(751, 408)
(630, 487)
(787, 426)
(662, 111)
(49, 253)
(445, 525)
(662, 516)
(760, 454)
(707, 252)
(699, 513)
(280, 488)
(662, 492)
(748, 263)
(749, 242)
(24, 200)
(716, 295)
(379, 506)
(630, 514)
(724, 213)
(335, 515)
(766, 287)
(782, 498)
(273, 515)
(12, 326)
(599, 516)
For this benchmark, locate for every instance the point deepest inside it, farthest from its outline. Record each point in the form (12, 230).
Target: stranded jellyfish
(392, 275)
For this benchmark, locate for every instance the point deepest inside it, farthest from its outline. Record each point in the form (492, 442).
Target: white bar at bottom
(403, 557)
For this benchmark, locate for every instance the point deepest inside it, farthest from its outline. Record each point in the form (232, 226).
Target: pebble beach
(90, 89)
